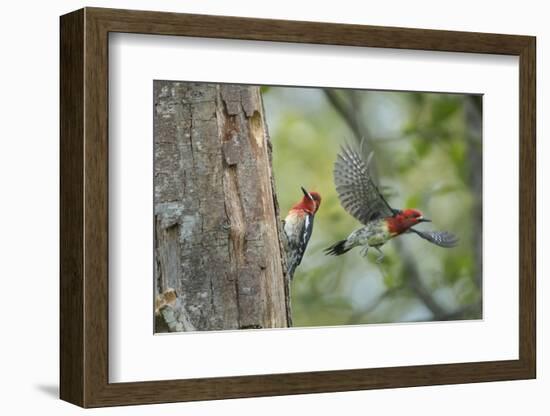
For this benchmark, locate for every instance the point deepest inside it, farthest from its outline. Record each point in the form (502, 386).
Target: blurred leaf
(413, 201)
(456, 267)
(422, 146)
(457, 152)
(445, 108)
(410, 128)
(417, 98)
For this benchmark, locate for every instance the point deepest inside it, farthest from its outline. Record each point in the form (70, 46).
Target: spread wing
(439, 238)
(356, 189)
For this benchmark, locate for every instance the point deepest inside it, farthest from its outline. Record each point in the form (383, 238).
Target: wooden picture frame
(84, 207)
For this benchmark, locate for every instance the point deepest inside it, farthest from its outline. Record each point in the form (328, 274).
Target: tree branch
(346, 112)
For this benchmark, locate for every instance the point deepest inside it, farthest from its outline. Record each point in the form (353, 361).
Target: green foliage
(445, 108)
(423, 148)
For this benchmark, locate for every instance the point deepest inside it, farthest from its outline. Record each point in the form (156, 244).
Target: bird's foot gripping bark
(364, 251)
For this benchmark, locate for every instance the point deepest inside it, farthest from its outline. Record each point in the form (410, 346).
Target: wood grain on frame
(71, 212)
(84, 207)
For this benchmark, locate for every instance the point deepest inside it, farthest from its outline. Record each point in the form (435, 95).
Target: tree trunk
(218, 250)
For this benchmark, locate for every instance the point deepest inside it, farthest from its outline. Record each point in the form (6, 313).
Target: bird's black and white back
(298, 228)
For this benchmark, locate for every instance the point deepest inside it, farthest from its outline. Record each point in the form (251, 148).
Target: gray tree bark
(218, 241)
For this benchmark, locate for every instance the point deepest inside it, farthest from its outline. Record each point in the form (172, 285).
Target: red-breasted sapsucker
(298, 228)
(361, 198)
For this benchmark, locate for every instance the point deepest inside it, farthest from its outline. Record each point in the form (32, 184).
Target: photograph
(295, 207)
(301, 205)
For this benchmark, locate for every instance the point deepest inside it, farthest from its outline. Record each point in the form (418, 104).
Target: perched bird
(361, 198)
(299, 226)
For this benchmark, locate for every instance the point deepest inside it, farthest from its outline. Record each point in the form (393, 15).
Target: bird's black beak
(306, 193)
(424, 220)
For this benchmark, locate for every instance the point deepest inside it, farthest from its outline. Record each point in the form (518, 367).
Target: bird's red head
(310, 202)
(404, 220)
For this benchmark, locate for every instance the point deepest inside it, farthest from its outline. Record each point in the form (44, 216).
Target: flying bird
(360, 197)
(299, 226)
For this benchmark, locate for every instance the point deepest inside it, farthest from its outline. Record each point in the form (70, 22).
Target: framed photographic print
(260, 207)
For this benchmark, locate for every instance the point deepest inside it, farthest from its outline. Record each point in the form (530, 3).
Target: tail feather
(338, 248)
(293, 262)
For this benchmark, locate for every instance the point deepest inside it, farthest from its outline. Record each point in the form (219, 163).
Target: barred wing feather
(356, 189)
(439, 238)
